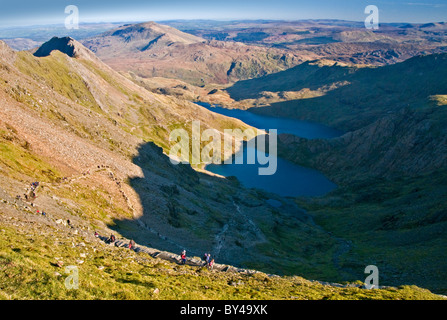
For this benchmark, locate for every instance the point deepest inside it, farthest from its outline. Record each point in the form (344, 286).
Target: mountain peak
(148, 31)
(67, 45)
(135, 38)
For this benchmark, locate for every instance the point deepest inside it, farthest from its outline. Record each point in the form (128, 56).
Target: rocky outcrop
(67, 45)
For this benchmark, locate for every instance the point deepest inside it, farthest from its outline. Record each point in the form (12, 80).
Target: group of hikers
(30, 192)
(34, 185)
(112, 239)
(33, 188)
(208, 261)
(41, 212)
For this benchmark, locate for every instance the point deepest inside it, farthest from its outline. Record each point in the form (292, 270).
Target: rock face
(68, 46)
(65, 45)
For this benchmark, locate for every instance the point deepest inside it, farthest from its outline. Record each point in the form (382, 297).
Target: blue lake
(289, 179)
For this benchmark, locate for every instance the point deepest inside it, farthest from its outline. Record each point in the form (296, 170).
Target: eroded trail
(238, 225)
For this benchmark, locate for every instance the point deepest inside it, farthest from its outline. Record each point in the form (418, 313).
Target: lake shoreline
(289, 180)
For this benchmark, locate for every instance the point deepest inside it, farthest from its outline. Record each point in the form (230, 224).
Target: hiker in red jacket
(111, 239)
(183, 256)
(211, 264)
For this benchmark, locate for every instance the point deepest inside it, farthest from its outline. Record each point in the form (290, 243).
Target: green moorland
(397, 225)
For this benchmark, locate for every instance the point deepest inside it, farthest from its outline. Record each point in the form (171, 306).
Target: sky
(32, 12)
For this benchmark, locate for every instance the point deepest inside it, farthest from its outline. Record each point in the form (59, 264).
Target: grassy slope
(28, 256)
(28, 261)
(200, 210)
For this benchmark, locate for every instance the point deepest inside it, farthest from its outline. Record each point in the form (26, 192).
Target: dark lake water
(289, 179)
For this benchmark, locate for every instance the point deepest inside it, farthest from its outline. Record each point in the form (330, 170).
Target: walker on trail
(206, 258)
(111, 239)
(183, 256)
(132, 245)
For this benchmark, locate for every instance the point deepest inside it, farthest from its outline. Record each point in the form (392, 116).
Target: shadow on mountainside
(183, 209)
(366, 95)
(162, 219)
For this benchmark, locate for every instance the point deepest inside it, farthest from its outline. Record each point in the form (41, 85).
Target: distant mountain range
(202, 57)
(151, 49)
